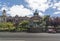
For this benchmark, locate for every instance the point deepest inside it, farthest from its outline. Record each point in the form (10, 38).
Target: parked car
(51, 31)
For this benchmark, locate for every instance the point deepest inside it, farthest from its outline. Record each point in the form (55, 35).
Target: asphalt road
(10, 36)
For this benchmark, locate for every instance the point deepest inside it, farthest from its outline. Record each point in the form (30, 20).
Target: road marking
(12, 40)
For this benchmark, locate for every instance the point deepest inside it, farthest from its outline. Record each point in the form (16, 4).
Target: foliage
(6, 26)
(23, 25)
(46, 17)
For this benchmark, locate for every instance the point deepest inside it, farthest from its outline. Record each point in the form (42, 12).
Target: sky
(27, 7)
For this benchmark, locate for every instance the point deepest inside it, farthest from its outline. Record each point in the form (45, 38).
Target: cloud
(57, 5)
(41, 14)
(41, 5)
(19, 10)
(57, 12)
(4, 7)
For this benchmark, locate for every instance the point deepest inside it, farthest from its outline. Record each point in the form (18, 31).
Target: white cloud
(38, 4)
(41, 14)
(57, 13)
(19, 10)
(4, 7)
(57, 5)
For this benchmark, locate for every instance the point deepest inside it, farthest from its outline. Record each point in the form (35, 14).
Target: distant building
(35, 23)
(35, 20)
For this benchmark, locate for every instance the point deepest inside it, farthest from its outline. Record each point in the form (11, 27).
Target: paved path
(6, 36)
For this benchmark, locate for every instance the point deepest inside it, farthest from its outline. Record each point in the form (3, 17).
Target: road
(10, 36)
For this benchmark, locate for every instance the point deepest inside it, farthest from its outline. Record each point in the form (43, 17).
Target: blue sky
(27, 7)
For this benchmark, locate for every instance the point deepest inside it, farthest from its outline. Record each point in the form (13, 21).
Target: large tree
(23, 25)
(6, 26)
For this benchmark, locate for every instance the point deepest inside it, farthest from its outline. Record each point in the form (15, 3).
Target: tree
(24, 25)
(6, 26)
(10, 26)
(45, 22)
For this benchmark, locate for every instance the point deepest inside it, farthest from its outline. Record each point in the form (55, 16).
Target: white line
(12, 40)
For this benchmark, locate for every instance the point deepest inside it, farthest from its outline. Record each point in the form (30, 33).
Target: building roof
(36, 17)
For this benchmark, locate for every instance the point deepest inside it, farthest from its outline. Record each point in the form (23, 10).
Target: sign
(36, 20)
